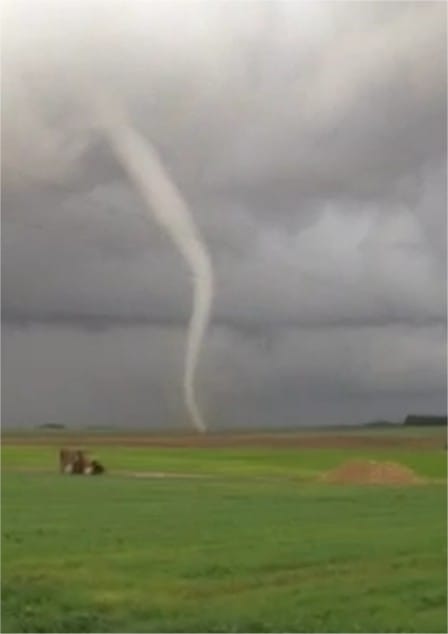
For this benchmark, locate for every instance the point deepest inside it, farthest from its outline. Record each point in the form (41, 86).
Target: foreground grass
(114, 554)
(241, 462)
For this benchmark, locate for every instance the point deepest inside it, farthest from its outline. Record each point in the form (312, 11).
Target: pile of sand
(372, 472)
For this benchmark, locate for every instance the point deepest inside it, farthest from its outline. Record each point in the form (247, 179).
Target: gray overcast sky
(310, 141)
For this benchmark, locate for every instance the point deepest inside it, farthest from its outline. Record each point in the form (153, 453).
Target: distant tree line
(426, 420)
(51, 426)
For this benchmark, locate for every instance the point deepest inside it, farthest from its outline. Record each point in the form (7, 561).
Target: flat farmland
(238, 532)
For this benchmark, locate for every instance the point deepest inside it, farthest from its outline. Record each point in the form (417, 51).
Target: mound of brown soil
(372, 472)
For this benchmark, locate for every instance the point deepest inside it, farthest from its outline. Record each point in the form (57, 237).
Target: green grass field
(257, 546)
(230, 462)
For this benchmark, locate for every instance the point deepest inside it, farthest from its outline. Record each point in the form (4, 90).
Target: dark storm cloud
(63, 374)
(310, 141)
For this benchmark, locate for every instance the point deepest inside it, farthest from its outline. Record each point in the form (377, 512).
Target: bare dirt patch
(372, 472)
(158, 474)
(117, 472)
(353, 472)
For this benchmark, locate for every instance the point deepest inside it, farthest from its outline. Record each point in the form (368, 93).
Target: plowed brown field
(300, 440)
